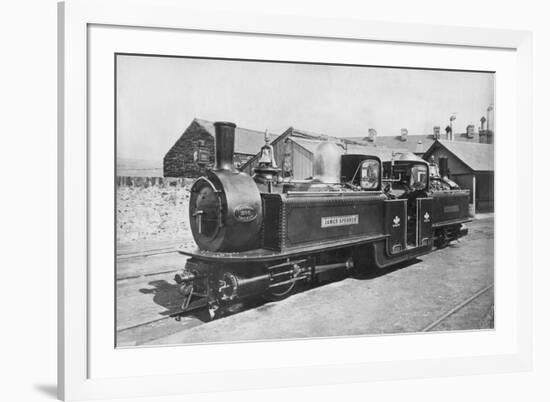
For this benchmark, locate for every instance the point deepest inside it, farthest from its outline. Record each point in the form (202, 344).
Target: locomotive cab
(407, 179)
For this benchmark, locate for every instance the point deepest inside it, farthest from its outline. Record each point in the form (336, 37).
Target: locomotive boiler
(262, 235)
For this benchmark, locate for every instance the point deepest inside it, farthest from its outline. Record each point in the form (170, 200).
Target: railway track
(169, 249)
(146, 253)
(147, 325)
(190, 321)
(457, 308)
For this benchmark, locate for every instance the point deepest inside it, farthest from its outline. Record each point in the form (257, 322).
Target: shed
(293, 152)
(471, 166)
(194, 151)
(294, 149)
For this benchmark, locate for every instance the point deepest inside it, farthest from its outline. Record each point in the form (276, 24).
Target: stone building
(194, 151)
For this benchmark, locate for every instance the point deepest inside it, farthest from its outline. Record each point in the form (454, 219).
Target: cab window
(370, 173)
(419, 177)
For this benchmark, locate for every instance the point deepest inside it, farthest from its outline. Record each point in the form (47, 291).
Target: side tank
(225, 207)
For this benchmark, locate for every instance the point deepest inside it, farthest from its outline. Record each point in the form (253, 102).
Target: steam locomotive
(265, 235)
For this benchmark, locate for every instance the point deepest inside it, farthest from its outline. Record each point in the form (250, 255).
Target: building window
(203, 156)
(201, 143)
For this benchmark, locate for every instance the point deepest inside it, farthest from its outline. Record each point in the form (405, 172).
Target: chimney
(490, 124)
(490, 119)
(470, 131)
(404, 133)
(225, 145)
(483, 137)
(437, 132)
(482, 120)
(372, 135)
(449, 131)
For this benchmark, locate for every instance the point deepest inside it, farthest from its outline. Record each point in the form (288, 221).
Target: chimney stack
(372, 135)
(437, 132)
(225, 145)
(470, 131)
(490, 119)
(450, 133)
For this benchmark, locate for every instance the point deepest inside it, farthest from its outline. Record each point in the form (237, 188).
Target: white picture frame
(76, 377)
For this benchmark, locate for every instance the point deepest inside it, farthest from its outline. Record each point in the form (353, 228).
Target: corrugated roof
(310, 145)
(247, 141)
(309, 135)
(478, 157)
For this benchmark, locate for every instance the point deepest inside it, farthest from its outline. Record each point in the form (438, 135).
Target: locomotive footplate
(264, 255)
(217, 285)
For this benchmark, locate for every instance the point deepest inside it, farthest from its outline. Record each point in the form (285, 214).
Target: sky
(158, 97)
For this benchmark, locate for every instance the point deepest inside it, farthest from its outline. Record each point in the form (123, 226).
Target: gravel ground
(151, 214)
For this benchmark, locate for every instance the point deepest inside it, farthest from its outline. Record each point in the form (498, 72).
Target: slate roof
(385, 154)
(247, 141)
(383, 147)
(478, 157)
(417, 143)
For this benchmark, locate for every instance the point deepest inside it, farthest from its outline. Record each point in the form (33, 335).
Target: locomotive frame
(266, 236)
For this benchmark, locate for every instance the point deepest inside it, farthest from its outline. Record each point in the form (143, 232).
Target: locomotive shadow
(337, 276)
(166, 295)
(374, 273)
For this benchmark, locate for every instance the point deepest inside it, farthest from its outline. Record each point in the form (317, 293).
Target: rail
(458, 307)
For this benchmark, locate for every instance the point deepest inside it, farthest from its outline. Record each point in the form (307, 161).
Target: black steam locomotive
(264, 235)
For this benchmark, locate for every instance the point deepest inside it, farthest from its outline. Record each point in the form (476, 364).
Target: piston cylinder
(234, 286)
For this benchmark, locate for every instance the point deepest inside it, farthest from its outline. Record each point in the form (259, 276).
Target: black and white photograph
(269, 200)
(275, 201)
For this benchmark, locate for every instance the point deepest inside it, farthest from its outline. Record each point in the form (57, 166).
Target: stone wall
(180, 161)
(152, 213)
(184, 158)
